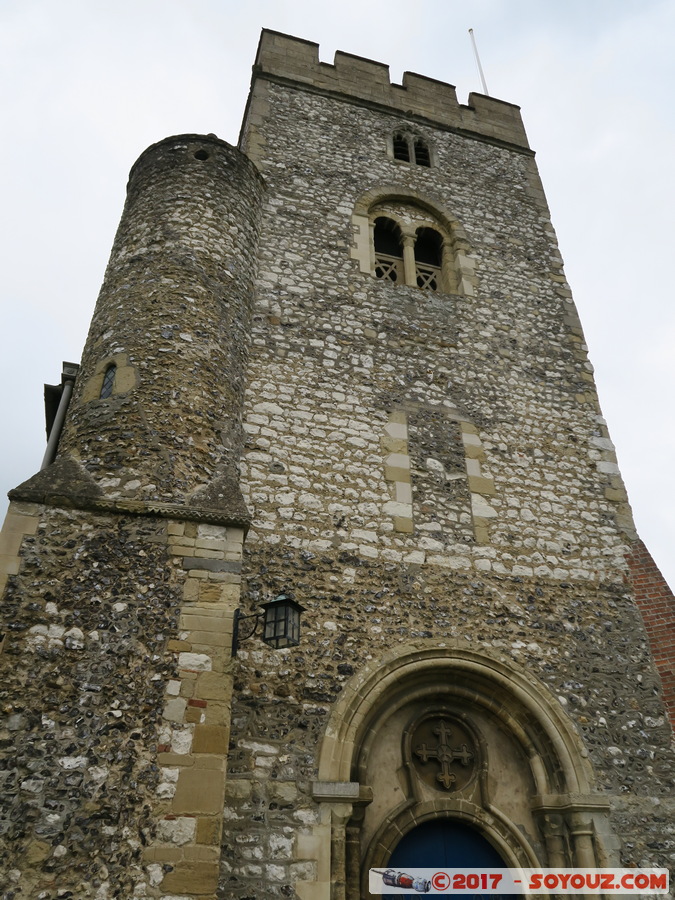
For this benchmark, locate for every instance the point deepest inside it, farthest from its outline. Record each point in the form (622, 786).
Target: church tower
(339, 365)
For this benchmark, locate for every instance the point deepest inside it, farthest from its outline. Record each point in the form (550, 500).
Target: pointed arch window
(401, 147)
(421, 153)
(108, 381)
(410, 148)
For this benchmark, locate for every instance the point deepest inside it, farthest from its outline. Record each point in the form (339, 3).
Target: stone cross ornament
(445, 754)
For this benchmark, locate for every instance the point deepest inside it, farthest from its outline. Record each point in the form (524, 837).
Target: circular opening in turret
(201, 154)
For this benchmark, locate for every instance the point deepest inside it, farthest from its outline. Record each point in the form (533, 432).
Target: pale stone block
(470, 439)
(196, 876)
(415, 556)
(442, 561)
(313, 890)
(235, 535)
(213, 638)
(177, 831)
(393, 508)
(474, 451)
(174, 709)
(481, 485)
(403, 492)
(403, 525)
(602, 443)
(398, 461)
(361, 250)
(427, 543)
(210, 739)
(217, 624)
(480, 507)
(213, 686)
(394, 473)
(397, 430)
(195, 661)
(368, 552)
(394, 445)
(199, 791)
(210, 543)
(9, 565)
(472, 466)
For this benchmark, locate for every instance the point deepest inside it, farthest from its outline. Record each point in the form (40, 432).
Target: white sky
(86, 85)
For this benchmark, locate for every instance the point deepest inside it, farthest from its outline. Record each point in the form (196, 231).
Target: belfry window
(402, 238)
(414, 258)
(401, 147)
(428, 258)
(388, 250)
(410, 148)
(108, 381)
(421, 152)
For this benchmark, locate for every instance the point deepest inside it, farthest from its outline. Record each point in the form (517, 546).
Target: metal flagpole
(480, 68)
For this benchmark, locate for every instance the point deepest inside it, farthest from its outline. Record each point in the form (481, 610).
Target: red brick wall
(657, 605)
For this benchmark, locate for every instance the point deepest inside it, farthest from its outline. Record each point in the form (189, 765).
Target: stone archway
(459, 262)
(531, 787)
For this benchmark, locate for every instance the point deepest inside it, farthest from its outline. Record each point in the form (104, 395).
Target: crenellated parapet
(281, 56)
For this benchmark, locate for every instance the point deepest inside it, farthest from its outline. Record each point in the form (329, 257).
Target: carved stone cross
(444, 754)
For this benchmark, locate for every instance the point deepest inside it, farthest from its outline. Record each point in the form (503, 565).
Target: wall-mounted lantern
(281, 623)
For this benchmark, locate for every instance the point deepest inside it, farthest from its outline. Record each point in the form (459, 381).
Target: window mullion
(409, 266)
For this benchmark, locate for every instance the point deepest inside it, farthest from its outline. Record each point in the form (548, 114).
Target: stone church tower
(340, 362)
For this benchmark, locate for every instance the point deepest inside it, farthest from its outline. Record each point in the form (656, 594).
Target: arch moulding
(573, 819)
(460, 247)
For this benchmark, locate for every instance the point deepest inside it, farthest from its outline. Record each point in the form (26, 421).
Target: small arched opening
(108, 382)
(388, 243)
(428, 258)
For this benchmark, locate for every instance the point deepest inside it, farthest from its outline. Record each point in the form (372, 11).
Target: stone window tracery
(411, 148)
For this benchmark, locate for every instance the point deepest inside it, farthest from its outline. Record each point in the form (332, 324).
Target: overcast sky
(87, 84)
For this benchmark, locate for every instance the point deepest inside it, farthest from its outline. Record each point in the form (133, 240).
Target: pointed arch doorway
(443, 843)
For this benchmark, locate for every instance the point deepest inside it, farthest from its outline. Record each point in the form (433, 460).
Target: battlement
(283, 56)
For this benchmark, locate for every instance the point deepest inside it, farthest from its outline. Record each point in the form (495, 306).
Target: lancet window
(108, 381)
(410, 148)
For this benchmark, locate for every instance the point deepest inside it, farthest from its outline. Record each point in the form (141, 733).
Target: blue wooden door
(441, 844)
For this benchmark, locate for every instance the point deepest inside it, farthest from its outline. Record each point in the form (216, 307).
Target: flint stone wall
(334, 353)
(84, 674)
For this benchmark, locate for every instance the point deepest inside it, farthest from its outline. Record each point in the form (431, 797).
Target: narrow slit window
(401, 148)
(421, 149)
(388, 250)
(428, 259)
(108, 382)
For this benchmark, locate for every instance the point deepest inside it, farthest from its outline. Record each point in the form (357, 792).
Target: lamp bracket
(236, 638)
